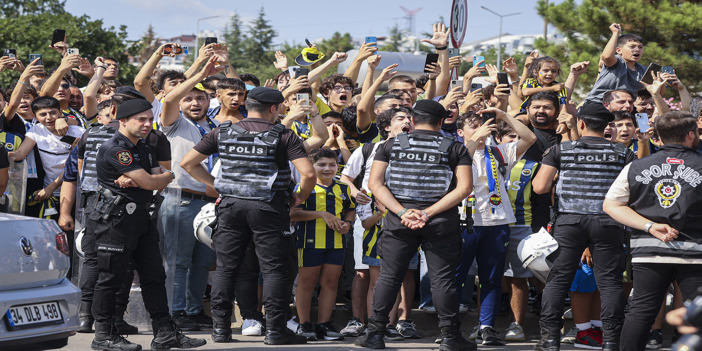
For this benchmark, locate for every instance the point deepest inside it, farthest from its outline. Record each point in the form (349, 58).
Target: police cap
(132, 107)
(431, 107)
(130, 93)
(266, 95)
(595, 110)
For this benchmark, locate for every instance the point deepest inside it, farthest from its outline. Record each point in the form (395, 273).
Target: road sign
(459, 21)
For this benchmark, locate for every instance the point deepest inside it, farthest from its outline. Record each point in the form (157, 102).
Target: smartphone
(642, 122)
(475, 86)
(502, 78)
(431, 59)
(489, 115)
(293, 71)
(372, 40)
(10, 53)
(453, 52)
(308, 42)
(73, 51)
(477, 59)
(210, 40)
(648, 76)
(667, 69)
(59, 35)
(33, 57)
(303, 71)
(456, 83)
(303, 96)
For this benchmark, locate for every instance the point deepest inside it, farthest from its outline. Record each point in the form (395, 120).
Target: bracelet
(105, 67)
(647, 227)
(21, 82)
(424, 213)
(402, 211)
(432, 78)
(442, 48)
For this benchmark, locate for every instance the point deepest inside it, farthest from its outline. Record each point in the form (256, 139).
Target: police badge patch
(124, 157)
(667, 191)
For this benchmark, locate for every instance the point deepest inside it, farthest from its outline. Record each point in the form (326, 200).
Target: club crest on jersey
(9, 146)
(124, 158)
(526, 172)
(667, 191)
(495, 199)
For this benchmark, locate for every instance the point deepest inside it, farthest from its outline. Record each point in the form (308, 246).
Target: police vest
(419, 167)
(586, 173)
(666, 188)
(249, 169)
(96, 136)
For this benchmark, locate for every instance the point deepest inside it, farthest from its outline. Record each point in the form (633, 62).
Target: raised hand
(440, 37)
(579, 68)
(281, 61)
(510, 67)
(85, 68)
(616, 28)
(366, 50)
(388, 72)
(373, 61)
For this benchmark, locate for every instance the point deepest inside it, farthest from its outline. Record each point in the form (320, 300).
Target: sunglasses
(65, 85)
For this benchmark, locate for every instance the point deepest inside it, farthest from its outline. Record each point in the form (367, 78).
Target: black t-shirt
(458, 154)
(119, 155)
(15, 126)
(289, 147)
(553, 156)
(545, 138)
(4, 162)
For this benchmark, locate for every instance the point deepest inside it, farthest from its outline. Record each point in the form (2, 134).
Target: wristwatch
(648, 226)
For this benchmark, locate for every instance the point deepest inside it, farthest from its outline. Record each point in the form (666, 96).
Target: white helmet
(204, 223)
(533, 251)
(79, 243)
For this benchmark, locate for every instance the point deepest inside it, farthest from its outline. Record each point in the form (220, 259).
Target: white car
(39, 305)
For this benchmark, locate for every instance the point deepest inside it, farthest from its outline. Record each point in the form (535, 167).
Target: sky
(313, 19)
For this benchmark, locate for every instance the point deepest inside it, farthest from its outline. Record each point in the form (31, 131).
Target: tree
(259, 41)
(668, 27)
(395, 39)
(32, 34)
(14, 8)
(234, 38)
(146, 46)
(337, 43)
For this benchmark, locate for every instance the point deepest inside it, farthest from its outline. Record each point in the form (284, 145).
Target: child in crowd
(323, 218)
(626, 131)
(337, 139)
(542, 77)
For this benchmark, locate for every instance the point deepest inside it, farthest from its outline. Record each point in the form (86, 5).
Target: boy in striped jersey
(323, 218)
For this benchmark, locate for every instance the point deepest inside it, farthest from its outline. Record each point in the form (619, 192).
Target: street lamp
(499, 37)
(197, 33)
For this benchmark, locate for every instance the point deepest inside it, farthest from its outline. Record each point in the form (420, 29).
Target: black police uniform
(587, 169)
(664, 188)
(124, 230)
(420, 172)
(254, 187)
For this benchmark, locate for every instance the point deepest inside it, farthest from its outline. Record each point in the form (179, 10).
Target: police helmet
(79, 243)
(204, 223)
(533, 252)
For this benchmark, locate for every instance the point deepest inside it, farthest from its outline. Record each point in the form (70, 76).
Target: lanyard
(212, 159)
(495, 198)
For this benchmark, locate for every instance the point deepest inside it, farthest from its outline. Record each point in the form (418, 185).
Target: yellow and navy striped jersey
(519, 190)
(10, 141)
(335, 199)
(370, 236)
(370, 135)
(533, 83)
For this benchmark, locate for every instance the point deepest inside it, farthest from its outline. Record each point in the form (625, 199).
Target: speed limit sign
(459, 21)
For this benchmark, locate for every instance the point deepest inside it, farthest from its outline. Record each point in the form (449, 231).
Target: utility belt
(86, 198)
(107, 205)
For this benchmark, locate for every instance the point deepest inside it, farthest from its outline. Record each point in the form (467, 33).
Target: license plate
(34, 315)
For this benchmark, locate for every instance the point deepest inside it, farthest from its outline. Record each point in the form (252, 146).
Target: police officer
(660, 198)
(420, 177)
(254, 187)
(587, 167)
(124, 231)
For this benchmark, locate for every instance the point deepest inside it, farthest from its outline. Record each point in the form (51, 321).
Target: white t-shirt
(354, 164)
(52, 150)
(183, 135)
(483, 215)
(156, 107)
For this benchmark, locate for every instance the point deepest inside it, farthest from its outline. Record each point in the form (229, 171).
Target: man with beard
(184, 121)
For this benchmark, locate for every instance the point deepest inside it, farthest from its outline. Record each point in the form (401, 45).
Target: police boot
(452, 340)
(107, 339)
(373, 338)
(222, 328)
(167, 336)
(123, 327)
(86, 323)
(548, 345)
(283, 336)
